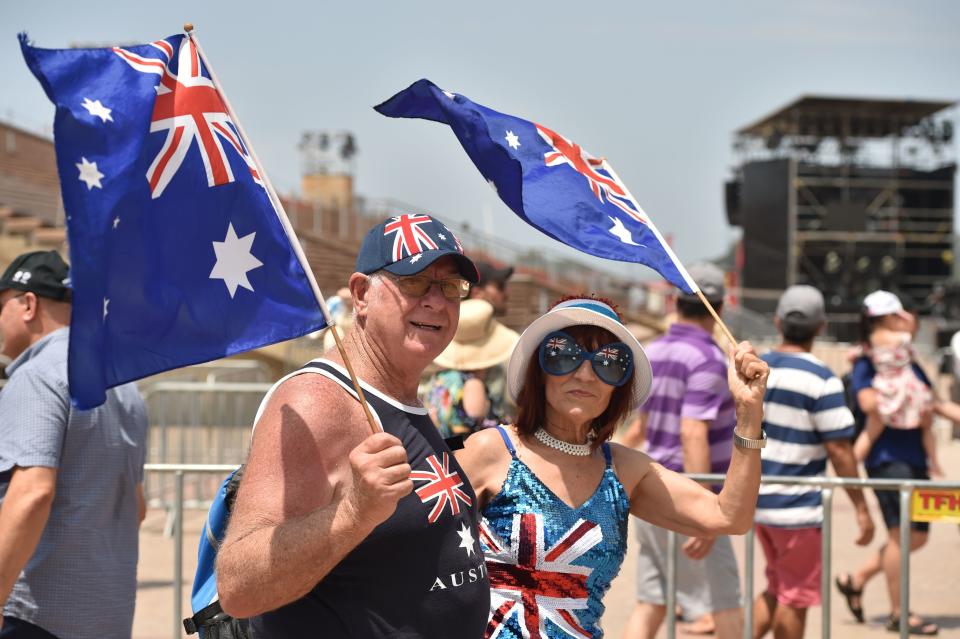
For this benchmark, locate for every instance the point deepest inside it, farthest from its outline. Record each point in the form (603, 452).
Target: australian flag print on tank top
(418, 575)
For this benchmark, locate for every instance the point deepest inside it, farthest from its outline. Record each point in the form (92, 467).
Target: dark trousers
(14, 628)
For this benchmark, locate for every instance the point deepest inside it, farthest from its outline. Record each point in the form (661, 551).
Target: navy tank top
(421, 573)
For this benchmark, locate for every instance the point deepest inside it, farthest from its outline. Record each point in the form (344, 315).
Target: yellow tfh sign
(936, 505)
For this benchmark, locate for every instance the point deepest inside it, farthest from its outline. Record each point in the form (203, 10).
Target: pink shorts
(793, 564)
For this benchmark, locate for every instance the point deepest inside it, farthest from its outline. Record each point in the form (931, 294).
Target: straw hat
(480, 342)
(573, 313)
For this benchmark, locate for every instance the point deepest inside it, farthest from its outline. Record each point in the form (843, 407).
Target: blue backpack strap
(607, 454)
(205, 579)
(506, 440)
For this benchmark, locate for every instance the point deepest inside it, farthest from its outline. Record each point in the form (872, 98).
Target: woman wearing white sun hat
(556, 495)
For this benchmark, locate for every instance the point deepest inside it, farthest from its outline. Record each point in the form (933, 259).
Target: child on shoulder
(904, 401)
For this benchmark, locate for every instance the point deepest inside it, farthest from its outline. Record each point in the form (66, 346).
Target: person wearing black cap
(71, 497)
(327, 537)
(492, 286)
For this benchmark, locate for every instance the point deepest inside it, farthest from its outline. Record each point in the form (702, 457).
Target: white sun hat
(578, 312)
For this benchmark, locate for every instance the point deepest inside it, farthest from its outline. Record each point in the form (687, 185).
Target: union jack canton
(178, 254)
(548, 180)
(443, 486)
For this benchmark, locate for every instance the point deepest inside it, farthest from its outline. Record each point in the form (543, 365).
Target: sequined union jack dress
(550, 564)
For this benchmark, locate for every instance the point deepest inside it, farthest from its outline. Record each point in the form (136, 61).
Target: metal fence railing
(198, 422)
(828, 486)
(215, 471)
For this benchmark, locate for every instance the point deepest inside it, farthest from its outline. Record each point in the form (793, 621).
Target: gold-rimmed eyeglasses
(452, 288)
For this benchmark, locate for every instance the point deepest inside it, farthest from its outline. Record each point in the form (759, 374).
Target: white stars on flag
(97, 110)
(116, 222)
(620, 231)
(416, 258)
(466, 539)
(234, 260)
(89, 174)
(512, 140)
(106, 304)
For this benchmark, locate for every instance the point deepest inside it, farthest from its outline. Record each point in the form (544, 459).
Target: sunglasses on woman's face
(560, 354)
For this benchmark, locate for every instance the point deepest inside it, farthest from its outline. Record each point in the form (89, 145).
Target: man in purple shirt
(688, 424)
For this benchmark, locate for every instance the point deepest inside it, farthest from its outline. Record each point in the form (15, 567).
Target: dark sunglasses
(560, 354)
(452, 288)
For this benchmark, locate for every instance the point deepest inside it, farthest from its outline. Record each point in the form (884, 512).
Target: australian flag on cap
(406, 244)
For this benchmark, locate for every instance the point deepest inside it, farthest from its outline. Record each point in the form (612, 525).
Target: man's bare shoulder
(322, 405)
(300, 448)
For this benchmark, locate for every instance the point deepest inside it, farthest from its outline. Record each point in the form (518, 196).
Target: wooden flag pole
(666, 247)
(713, 312)
(291, 236)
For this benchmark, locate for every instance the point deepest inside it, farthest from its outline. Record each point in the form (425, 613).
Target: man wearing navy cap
(340, 533)
(71, 497)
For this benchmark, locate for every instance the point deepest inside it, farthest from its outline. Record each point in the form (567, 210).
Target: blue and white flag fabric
(178, 255)
(548, 180)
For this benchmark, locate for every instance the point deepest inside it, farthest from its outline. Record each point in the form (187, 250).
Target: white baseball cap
(882, 303)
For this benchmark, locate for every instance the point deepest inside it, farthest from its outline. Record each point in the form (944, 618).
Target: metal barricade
(216, 472)
(827, 484)
(197, 422)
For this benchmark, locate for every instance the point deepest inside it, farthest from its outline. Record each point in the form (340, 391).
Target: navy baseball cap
(406, 244)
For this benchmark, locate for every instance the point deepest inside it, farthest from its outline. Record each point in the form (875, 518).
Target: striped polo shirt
(804, 407)
(689, 380)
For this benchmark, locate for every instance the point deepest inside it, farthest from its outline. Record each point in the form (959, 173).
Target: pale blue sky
(655, 88)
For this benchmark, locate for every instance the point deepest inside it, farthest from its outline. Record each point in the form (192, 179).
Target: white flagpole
(676, 262)
(288, 229)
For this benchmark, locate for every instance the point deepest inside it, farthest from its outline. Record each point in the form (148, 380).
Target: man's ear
(360, 290)
(31, 307)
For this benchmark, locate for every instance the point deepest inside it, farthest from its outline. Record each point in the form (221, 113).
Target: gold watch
(744, 442)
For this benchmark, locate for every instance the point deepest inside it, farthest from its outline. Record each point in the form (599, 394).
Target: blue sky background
(656, 88)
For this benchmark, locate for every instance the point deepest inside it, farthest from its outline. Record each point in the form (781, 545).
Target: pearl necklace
(579, 450)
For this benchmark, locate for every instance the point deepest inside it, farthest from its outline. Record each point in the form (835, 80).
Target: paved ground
(935, 584)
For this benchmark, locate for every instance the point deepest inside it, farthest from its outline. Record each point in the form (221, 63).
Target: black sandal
(920, 628)
(849, 592)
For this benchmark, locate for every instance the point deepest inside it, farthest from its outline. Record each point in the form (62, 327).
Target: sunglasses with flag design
(560, 354)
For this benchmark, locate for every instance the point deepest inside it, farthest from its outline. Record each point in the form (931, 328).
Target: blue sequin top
(550, 564)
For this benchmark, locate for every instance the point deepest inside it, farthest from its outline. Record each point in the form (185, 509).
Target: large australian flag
(546, 179)
(178, 255)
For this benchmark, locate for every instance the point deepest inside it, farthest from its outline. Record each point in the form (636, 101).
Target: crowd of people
(484, 494)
